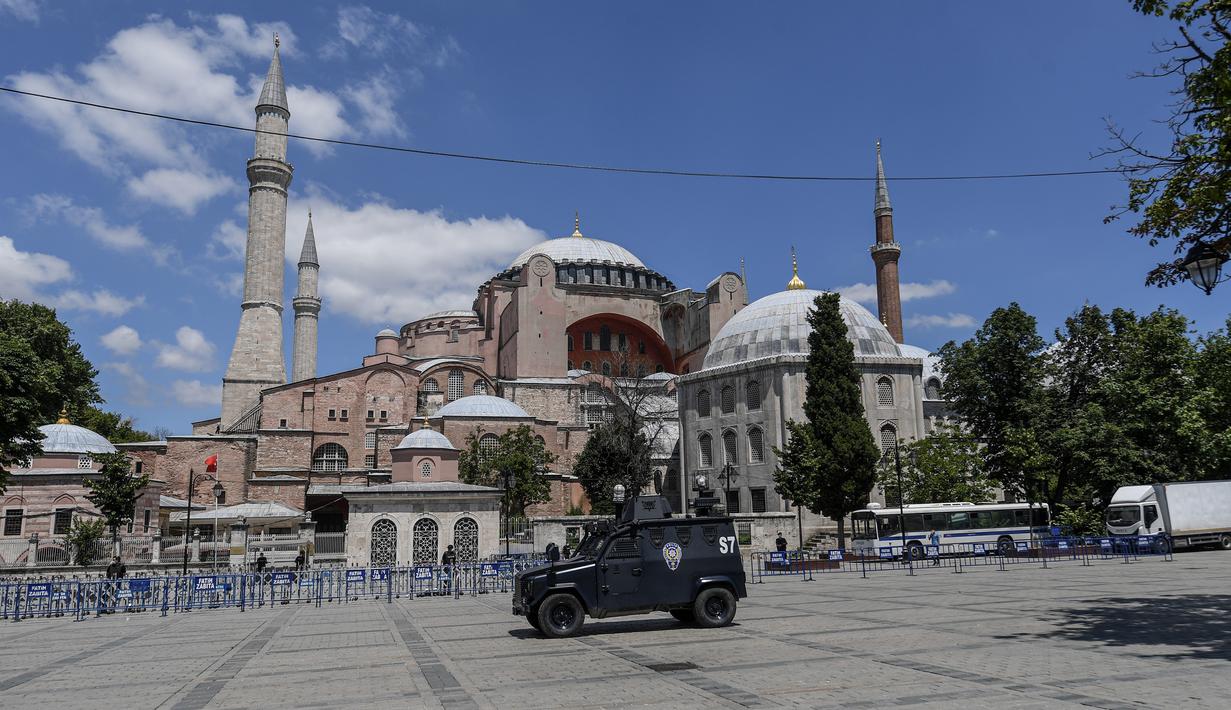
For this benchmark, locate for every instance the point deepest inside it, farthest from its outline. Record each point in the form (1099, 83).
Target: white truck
(1191, 513)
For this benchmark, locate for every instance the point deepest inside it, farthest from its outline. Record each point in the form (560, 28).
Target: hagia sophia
(545, 343)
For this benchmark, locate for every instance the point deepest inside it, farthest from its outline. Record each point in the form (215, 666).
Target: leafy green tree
(947, 465)
(517, 450)
(83, 538)
(114, 427)
(616, 452)
(1212, 377)
(1081, 519)
(42, 371)
(1183, 195)
(829, 462)
(993, 382)
(115, 490)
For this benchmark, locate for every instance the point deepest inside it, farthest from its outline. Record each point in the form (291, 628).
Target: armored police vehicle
(647, 561)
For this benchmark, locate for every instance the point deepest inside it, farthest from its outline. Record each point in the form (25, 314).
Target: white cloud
(228, 242)
(23, 274)
(361, 277)
(137, 388)
(194, 393)
(909, 291)
(121, 237)
(951, 320)
(375, 32)
(99, 301)
(25, 10)
(124, 340)
(184, 190)
(191, 351)
(375, 100)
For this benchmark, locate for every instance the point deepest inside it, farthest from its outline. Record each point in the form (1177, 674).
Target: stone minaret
(885, 253)
(307, 306)
(256, 360)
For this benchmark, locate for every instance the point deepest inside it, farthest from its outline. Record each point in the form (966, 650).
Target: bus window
(1001, 518)
(914, 523)
(935, 521)
(982, 519)
(959, 521)
(1021, 517)
(1040, 516)
(888, 525)
(863, 526)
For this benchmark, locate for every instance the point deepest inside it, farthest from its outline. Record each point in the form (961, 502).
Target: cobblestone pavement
(1148, 634)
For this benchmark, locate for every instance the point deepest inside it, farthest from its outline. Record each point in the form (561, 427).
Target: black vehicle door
(621, 569)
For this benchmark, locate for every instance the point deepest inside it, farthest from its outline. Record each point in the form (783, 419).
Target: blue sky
(132, 227)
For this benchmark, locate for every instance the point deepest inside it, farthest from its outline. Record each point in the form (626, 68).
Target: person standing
(116, 569)
(934, 541)
(780, 543)
(447, 560)
(299, 560)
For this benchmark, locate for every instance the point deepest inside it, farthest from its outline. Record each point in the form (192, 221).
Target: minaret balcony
(885, 248)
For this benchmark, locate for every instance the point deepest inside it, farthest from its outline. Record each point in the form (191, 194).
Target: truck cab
(645, 562)
(1134, 510)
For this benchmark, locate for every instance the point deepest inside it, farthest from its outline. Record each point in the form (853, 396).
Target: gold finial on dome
(576, 223)
(63, 417)
(795, 284)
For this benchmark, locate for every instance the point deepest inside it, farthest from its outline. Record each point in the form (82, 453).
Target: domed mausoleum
(734, 411)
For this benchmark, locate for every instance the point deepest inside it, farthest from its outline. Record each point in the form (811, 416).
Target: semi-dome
(778, 325)
(455, 313)
(73, 439)
(425, 439)
(481, 405)
(578, 249)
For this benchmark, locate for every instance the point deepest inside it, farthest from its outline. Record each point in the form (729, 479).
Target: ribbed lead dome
(73, 439)
(778, 325)
(481, 405)
(579, 249)
(425, 439)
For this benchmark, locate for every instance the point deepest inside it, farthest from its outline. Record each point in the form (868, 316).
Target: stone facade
(425, 520)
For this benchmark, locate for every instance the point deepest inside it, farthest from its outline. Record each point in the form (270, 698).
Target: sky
(134, 228)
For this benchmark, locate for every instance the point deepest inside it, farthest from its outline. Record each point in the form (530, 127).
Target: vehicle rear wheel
(1224, 541)
(714, 607)
(915, 551)
(560, 615)
(1004, 545)
(684, 616)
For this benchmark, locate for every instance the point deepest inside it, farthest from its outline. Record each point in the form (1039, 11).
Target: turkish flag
(211, 464)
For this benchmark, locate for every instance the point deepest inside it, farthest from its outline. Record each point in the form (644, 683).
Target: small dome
(579, 249)
(425, 439)
(440, 315)
(778, 325)
(73, 439)
(481, 405)
(386, 333)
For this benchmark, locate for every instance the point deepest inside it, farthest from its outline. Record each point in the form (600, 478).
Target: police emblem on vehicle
(673, 553)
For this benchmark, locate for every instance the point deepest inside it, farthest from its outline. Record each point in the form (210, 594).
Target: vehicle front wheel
(1004, 545)
(560, 615)
(1162, 546)
(684, 616)
(915, 551)
(714, 607)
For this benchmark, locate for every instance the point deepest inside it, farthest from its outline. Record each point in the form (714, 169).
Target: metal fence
(242, 590)
(958, 558)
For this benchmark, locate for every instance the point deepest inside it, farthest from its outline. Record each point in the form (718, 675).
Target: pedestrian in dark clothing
(449, 557)
(261, 562)
(299, 560)
(780, 543)
(552, 551)
(566, 552)
(116, 569)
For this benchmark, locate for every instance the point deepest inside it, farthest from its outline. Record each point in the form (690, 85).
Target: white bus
(998, 526)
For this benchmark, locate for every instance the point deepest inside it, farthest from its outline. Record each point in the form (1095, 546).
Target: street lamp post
(188, 522)
(507, 475)
(617, 496)
(219, 491)
(1204, 266)
(897, 462)
(728, 474)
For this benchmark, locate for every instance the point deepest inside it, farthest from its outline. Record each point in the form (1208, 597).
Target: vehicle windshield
(863, 526)
(1123, 515)
(593, 540)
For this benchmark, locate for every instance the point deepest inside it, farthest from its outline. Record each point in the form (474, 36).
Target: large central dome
(778, 325)
(579, 249)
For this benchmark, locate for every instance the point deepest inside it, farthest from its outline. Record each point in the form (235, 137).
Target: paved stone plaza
(1148, 634)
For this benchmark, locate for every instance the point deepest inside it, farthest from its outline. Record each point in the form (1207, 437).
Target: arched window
(624, 369)
(703, 403)
(729, 451)
(488, 443)
(85, 461)
(752, 396)
(466, 539)
(587, 366)
(607, 369)
(705, 446)
(604, 338)
(570, 343)
(423, 541)
(727, 399)
(329, 457)
(425, 469)
(884, 392)
(430, 385)
(889, 439)
(932, 391)
(384, 543)
(455, 385)
(756, 445)
(480, 387)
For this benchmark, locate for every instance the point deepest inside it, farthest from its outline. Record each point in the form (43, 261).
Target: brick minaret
(307, 305)
(256, 360)
(885, 253)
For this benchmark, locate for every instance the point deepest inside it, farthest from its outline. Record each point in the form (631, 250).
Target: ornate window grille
(756, 445)
(706, 446)
(728, 400)
(488, 443)
(423, 539)
(752, 396)
(425, 469)
(884, 392)
(466, 539)
(369, 440)
(384, 543)
(480, 387)
(455, 385)
(889, 439)
(729, 448)
(430, 385)
(329, 457)
(933, 389)
(84, 461)
(703, 403)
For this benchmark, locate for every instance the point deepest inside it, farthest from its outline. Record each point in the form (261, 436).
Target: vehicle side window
(624, 547)
(1021, 517)
(1151, 515)
(959, 521)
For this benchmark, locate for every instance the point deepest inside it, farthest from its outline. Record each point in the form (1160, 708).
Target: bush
(1083, 520)
(84, 537)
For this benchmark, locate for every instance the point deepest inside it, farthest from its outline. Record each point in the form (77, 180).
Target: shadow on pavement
(592, 628)
(1194, 625)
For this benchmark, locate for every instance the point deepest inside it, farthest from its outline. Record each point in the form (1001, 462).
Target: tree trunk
(842, 532)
